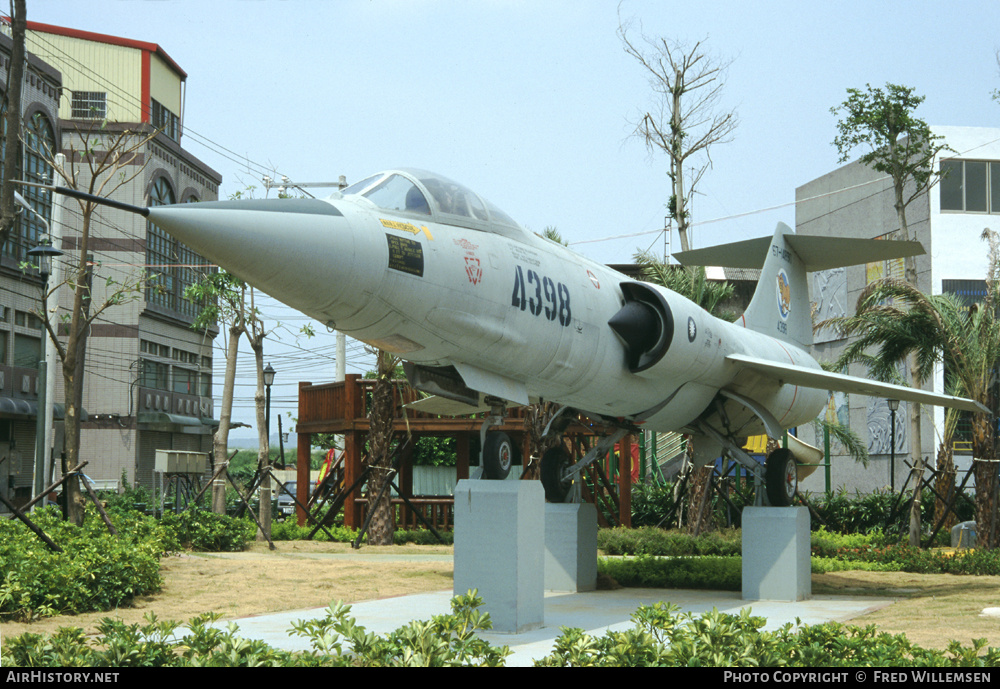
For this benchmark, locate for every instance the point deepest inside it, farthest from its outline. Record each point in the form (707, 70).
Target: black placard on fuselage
(406, 255)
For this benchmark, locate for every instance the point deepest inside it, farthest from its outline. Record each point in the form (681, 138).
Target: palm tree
(688, 282)
(894, 320)
(692, 283)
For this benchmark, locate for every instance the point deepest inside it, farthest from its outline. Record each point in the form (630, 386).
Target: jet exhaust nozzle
(645, 325)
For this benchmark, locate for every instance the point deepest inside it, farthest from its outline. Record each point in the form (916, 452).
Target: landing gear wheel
(553, 461)
(782, 478)
(498, 455)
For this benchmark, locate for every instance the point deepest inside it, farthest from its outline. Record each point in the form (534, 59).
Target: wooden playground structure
(343, 408)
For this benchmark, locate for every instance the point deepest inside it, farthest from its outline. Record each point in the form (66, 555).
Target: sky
(529, 103)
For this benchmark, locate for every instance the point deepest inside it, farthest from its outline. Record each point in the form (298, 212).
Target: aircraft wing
(824, 380)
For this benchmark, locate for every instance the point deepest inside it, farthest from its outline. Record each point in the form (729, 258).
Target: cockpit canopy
(429, 194)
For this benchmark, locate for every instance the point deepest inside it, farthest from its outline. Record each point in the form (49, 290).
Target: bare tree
(256, 333)
(101, 160)
(225, 300)
(686, 119)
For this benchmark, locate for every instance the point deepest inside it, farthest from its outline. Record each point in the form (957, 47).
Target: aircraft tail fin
(780, 306)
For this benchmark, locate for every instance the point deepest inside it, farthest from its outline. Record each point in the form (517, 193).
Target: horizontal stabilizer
(816, 253)
(443, 406)
(825, 380)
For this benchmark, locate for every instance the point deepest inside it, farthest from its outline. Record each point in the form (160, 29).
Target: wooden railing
(439, 512)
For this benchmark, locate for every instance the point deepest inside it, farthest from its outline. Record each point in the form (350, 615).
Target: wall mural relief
(830, 301)
(879, 427)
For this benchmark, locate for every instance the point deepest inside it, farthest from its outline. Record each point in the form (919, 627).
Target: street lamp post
(44, 253)
(265, 483)
(268, 382)
(893, 406)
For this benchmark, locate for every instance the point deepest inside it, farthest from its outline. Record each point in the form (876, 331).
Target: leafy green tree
(898, 144)
(101, 162)
(550, 232)
(902, 146)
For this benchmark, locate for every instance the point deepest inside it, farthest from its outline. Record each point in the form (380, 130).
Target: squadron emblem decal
(473, 266)
(473, 269)
(784, 295)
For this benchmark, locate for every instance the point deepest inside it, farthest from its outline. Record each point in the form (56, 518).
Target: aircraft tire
(553, 461)
(781, 477)
(498, 455)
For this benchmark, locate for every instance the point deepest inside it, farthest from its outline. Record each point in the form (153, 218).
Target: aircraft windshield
(396, 191)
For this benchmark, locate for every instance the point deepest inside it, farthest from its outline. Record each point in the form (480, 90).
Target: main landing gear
(497, 453)
(778, 478)
(558, 472)
(781, 477)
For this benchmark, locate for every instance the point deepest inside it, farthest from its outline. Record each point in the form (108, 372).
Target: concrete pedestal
(776, 562)
(570, 547)
(500, 549)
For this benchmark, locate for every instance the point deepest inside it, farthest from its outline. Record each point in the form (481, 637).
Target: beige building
(148, 380)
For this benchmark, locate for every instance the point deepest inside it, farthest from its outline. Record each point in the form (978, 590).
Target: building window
(39, 144)
(164, 120)
(175, 265)
(89, 105)
(27, 350)
(185, 381)
(970, 186)
(147, 347)
(26, 319)
(154, 375)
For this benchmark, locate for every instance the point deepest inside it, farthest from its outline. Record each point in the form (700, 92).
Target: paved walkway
(595, 611)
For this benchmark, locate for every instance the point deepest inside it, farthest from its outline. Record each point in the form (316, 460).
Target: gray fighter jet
(487, 314)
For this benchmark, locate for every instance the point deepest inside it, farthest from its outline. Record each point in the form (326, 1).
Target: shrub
(204, 530)
(840, 512)
(644, 571)
(828, 544)
(664, 638)
(335, 640)
(95, 571)
(652, 541)
(422, 537)
(289, 530)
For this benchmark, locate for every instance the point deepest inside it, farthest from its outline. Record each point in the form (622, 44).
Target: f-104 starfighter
(486, 314)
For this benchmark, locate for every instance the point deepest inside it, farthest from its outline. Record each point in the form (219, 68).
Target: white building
(854, 200)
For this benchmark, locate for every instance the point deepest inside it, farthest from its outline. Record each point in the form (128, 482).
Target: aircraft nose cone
(289, 248)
